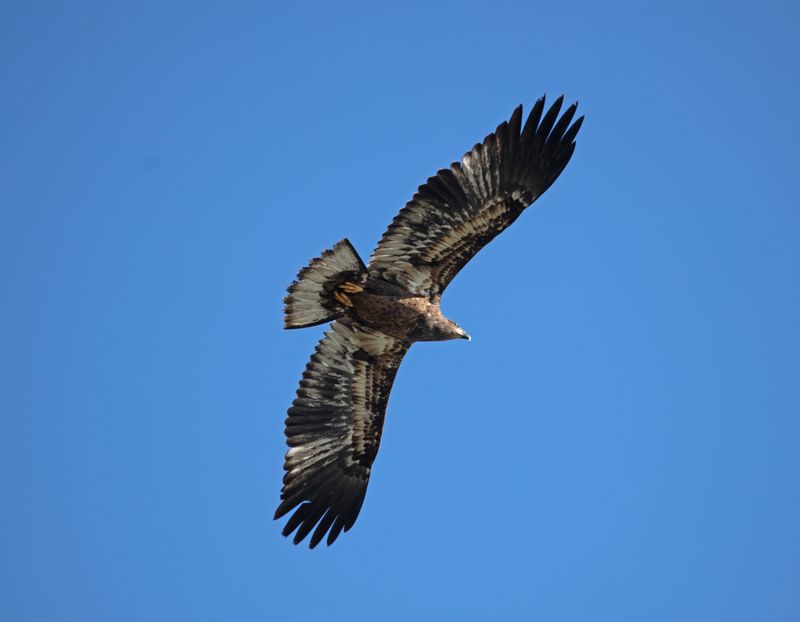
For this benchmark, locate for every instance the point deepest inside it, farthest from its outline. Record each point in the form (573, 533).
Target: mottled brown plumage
(334, 425)
(395, 311)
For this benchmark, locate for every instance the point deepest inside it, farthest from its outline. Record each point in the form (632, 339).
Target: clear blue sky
(621, 439)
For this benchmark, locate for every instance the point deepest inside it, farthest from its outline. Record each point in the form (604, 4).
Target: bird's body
(378, 311)
(395, 311)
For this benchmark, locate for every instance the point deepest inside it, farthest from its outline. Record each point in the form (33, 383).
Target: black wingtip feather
(355, 509)
(533, 120)
(550, 118)
(294, 521)
(572, 132)
(562, 124)
(280, 512)
(330, 515)
(322, 528)
(515, 120)
(335, 530)
(310, 521)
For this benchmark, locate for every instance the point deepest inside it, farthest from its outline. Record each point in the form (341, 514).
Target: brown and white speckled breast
(394, 311)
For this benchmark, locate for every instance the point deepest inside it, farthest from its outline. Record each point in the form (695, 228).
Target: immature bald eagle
(334, 425)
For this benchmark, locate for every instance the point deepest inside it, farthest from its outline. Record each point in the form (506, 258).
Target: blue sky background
(620, 441)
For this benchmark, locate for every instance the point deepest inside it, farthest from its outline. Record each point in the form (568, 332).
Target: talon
(342, 298)
(351, 288)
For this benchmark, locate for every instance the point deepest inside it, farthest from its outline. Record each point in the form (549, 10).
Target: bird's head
(434, 326)
(454, 331)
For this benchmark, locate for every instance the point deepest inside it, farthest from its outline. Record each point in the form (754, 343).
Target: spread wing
(334, 429)
(462, 208)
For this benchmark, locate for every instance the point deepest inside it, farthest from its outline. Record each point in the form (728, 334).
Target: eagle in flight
(334, 425)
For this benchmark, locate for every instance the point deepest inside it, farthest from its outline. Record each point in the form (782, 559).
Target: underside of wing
(334, 429)
(462, 208)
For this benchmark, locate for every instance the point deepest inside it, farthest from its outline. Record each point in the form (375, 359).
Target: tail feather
(310, 299)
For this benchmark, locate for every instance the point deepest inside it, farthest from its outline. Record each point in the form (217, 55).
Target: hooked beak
(463, 334)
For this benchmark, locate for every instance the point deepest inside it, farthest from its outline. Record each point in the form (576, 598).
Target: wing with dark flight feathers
(462, 208)
(334, 429)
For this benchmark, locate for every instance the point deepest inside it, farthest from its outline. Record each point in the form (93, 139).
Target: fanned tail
(310, 300)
